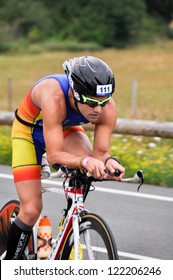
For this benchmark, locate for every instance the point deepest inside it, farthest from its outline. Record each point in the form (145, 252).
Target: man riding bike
(50, 119)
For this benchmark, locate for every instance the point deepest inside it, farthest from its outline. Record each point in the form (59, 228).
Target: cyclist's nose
(98, 109)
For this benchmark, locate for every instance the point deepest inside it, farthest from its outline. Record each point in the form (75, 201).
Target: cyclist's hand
(113, 165)
(96, 168)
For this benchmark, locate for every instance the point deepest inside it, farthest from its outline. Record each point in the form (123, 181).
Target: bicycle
(83, 235)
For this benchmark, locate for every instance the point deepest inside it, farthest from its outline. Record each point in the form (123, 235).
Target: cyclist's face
(92, 113)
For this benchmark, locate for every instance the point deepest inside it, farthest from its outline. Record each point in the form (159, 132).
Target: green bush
(152, 30)
(170, 32)
(25, 46)
(70, 46)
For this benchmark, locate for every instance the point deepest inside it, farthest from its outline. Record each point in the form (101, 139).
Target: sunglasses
(93, 102)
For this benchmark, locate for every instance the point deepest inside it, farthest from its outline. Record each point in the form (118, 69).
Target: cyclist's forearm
(101, 155)
(64, 158)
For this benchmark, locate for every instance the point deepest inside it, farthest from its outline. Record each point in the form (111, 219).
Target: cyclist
(49, 119)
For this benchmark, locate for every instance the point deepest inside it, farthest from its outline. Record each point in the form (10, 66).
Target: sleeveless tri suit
(27, 133)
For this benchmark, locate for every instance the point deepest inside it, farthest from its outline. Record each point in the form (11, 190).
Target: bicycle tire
(8, 213)
(99, 232)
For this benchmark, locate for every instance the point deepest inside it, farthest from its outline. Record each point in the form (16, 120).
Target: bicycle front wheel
(96, 240)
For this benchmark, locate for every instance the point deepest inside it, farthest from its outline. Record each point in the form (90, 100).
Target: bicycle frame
(75, 196)
(71, 220)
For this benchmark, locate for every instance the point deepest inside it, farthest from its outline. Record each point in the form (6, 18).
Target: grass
(5, 145)
(152, 155)
(151, 66)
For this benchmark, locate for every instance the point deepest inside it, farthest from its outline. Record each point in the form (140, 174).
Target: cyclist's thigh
(76, 141)
(26, 153)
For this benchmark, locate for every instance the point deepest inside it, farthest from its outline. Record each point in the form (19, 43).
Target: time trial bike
(83, 235)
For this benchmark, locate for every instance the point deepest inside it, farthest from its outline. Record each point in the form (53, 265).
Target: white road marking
(106, 190)
(120, 253)
(135, 256)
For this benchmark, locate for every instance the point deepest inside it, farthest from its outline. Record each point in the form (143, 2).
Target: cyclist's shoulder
(55, 85)
(58, 77)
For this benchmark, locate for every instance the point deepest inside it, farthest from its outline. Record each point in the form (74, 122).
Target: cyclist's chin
(93, 117)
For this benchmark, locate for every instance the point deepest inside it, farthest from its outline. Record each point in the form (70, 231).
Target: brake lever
(140, 174)
(138, 177)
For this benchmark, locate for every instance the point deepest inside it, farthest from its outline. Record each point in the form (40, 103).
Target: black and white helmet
(90, 76)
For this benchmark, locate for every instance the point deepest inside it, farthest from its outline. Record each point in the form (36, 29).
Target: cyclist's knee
(29, 214)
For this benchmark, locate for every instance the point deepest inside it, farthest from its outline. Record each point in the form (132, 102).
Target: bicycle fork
(87, 240)
(76, 229)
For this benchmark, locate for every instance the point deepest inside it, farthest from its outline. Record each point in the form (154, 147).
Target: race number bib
(103, 90)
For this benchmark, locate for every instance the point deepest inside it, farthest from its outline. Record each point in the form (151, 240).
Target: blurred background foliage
(98, 23)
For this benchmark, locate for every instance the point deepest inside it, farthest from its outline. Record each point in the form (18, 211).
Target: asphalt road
(142, 223)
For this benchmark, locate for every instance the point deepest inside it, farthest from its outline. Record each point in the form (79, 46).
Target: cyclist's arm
(49, 97)
(103, 132)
